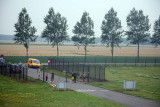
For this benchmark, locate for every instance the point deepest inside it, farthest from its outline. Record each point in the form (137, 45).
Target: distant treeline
(39, 39)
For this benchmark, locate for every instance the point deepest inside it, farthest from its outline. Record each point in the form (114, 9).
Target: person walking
(84, 78)
(75, 75)
(80, 77)
(72, 76)
(46, 77)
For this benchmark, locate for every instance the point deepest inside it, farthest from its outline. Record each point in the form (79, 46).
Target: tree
(138, 27)
(155, 39)
(111, 30)
(84, 33)
(55, 31)
(25, 33)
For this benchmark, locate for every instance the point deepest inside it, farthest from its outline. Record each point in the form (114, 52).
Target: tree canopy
(155, 39)
(25, 33)
(84, 32)
(138, 27)
(55, 31)
(111, 30)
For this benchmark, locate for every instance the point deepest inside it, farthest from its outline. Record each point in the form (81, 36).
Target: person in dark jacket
(75, 75)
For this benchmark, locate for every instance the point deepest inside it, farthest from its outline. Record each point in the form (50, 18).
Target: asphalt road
(128, 100)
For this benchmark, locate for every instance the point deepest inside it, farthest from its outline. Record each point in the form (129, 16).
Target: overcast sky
(73, 10)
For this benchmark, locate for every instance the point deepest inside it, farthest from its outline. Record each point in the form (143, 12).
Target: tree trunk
(112, 49)
(112, 52)
(138, 52)
(85, 48)
(57, 51)
(27, 54)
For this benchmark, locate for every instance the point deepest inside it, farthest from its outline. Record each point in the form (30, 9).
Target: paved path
(120, 98)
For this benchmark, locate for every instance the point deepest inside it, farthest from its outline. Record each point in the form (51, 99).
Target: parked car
(34, 63)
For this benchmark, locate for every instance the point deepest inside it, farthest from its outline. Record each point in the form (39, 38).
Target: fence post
(6, 70)
(15, 71)
(26, 73)
(43, 72)
(66, 75)
(83, 68)
(95, 72)
(20, 73)
(105, 61)
(145, 61)
(104, 72)
(68, 66)
(99, 73)
(63, 64)
(10, 70)
(88, 72)
(59, 65)
(23, 73)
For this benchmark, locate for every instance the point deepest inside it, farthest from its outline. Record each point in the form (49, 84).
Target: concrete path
(120, 98)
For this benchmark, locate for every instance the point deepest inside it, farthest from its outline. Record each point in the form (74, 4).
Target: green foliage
(138, 27)
(83, 31)
(111, 30)
(147, 81)
(25, 33)
(55, 31)
(34, 93)
(156, 36)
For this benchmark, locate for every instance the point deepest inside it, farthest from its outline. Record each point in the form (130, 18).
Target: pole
(43, 72)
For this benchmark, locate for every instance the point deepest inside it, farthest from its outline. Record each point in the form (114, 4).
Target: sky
(73, 10)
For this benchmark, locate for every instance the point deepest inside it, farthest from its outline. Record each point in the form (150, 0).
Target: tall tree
(138, 27)
(155, 39)
(111, 30)
(84, 33)
(25, 33)
(55, 31)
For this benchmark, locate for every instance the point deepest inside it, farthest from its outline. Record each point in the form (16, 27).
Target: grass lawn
(147, 81)
(15, 93)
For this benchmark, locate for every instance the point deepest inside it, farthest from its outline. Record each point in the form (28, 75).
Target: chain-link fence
(14, 71)
(117, 60)
(93, 72)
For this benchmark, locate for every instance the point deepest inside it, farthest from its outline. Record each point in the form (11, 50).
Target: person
(46, 77)
(75, 77)
(84, 77)
(52, 77)
(72, 76)
(81, 77)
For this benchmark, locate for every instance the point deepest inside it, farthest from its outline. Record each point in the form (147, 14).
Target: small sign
(61, 85)
(129, 84)
(49, 61)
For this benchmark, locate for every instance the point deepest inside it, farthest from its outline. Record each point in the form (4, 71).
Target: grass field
(45, 50)
(34, 93)
(147, 81)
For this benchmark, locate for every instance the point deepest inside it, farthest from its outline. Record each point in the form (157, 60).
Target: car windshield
(36, 61)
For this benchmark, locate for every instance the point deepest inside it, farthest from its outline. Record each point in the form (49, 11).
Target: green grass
(147, 81)
(34, 93)
(90, 59)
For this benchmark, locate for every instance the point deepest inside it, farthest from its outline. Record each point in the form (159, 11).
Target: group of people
(82, 77)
